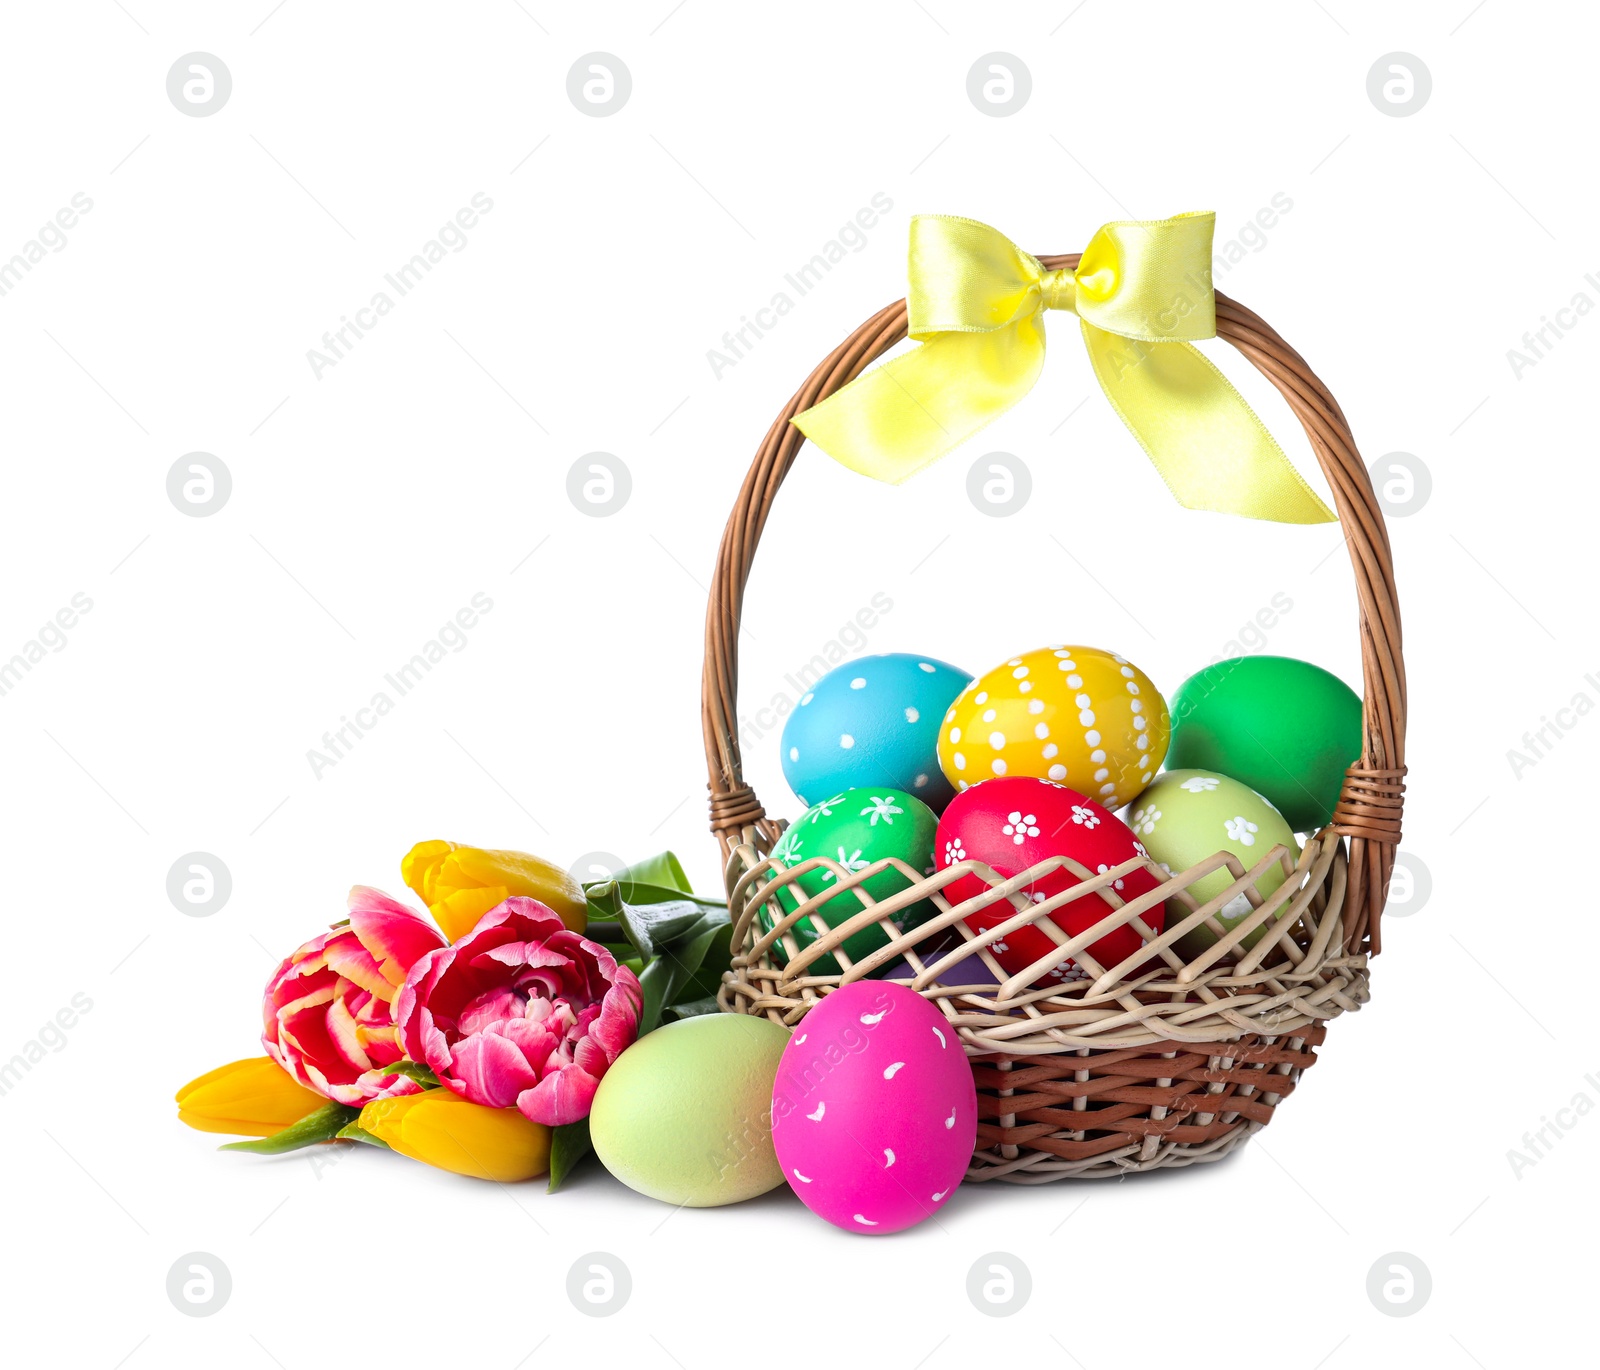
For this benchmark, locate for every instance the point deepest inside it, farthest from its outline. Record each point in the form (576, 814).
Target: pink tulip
(329, 1008)
(521, 1012)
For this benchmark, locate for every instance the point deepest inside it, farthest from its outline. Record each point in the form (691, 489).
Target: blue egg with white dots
(873, 721)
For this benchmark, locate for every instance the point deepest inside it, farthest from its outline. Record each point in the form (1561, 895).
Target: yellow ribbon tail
(1208, 444)
(892, 421)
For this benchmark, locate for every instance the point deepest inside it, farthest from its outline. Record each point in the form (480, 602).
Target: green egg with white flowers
(854, 829)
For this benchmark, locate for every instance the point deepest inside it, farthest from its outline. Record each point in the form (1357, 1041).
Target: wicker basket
(1127, 1068)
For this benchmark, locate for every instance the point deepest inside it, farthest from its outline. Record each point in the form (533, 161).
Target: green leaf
(655, 982)
(691, 1008)
(659, 879)
(662, 869)
(704, 983)
(709, 954)
(354, 1132)
(322, 1125)
(649, 908)
(570, 1146)
(672, 973)
(705, 960)
(414, 1070)
(651, 927)
(692, 954)
(606, 901)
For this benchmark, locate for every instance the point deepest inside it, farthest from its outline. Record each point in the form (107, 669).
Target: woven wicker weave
(1158, 1061)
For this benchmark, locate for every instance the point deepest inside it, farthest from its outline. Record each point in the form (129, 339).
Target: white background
(430, 464)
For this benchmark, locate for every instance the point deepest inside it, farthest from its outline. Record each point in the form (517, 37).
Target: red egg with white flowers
(1013, 822)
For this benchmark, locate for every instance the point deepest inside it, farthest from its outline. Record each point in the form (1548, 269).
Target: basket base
(1105, 1114)
(1033, 1168)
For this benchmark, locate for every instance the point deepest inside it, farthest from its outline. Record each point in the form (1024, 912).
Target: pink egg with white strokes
(874, 1110)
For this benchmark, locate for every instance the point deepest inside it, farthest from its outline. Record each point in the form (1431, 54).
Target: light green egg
(1188, 815)
(685, 1114)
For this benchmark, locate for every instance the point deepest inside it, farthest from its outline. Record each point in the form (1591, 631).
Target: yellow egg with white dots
(1085, 718)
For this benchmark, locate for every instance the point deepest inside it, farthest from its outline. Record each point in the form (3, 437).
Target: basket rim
(1369, 810)
(1299, 974)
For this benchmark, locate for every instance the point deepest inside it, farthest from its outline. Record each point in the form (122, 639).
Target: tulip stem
(321, 1125)
(354, 1132)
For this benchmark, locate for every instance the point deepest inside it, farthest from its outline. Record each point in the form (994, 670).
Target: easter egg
(1186, 816)
(872, 721)
(854, 829)
(1014, 822)
(1285, 728)
(1084, 718)
(683, 1114)
(874, 1111)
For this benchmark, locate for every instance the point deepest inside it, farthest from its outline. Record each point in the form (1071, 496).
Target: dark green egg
(1285, 728)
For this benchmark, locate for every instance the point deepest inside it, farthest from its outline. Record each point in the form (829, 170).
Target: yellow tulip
(442, 1129)
(461, 884)
(252, 1098)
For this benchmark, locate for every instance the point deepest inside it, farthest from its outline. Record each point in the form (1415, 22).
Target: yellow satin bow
(1142, 293)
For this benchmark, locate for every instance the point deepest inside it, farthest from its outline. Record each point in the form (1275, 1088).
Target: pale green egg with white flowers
(1185, 816)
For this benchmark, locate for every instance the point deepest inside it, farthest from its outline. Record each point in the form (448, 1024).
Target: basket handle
(1369, 808)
